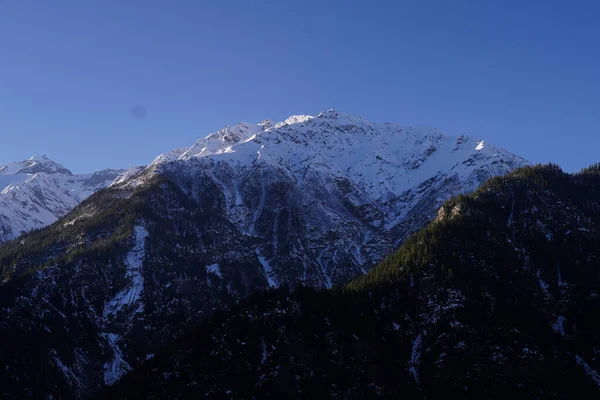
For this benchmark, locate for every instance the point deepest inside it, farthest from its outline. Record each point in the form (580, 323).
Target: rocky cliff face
(312, 200)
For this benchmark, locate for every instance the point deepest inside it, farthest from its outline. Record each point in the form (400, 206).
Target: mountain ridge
(383, 171)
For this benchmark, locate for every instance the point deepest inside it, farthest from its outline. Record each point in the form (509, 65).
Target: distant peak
(40, 158)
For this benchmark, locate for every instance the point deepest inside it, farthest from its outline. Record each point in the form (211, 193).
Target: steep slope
(312, 200)
(497, 297)
(36, 192)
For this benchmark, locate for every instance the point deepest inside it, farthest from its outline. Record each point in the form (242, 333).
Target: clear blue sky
(522, 74)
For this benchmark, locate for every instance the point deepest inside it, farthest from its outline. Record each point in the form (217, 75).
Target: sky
(114, 83)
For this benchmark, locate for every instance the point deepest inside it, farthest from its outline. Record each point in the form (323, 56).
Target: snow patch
(561, 283)
(415, 358)
(215, 269)
(264, 351)
(588, 370)
(559, 325)
(510, 216)
(543, 285)
(69, 375)
(132, 293)
(117, 367)
(328, 282)
(267, 268)
(125, 301)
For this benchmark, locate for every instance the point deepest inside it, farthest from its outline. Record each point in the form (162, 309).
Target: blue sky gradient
(522, 75)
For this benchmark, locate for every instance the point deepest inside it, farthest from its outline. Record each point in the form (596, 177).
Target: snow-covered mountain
(311, 200)
(36, 192)
(327, 196)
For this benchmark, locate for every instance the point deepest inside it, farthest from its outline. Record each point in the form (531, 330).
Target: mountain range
(310, 201)
(36, 192)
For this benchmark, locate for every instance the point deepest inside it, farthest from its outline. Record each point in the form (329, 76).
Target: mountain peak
(43, 164)
(33, 165)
